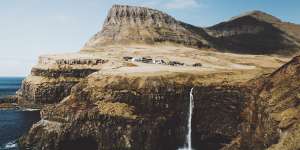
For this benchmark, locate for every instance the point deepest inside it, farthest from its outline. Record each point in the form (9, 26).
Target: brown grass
(131, 65)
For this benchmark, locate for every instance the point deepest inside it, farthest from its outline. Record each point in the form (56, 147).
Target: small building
(137, 59)
(140, 59)
(127, 58)
(147, 60)
(197, 65)
(175, 63)
(158, 61)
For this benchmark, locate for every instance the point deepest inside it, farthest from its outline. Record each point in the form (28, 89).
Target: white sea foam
(9, 146)
(31, 109)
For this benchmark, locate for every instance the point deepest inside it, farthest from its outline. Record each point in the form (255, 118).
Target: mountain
(140, 25)
(256, 32)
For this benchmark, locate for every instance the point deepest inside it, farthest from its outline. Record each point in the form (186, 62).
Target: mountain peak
(125, 14)
(256, 32)
(260, 15)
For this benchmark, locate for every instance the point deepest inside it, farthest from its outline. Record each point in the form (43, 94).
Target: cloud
(181, 4)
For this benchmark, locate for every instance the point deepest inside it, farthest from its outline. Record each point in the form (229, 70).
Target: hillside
(256, 33)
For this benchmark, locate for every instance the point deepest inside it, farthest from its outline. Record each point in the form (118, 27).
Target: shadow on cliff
(79, 144)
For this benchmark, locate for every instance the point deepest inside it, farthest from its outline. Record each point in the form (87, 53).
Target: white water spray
(189, 135)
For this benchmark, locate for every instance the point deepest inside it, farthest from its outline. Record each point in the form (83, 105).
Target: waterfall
(189, 125)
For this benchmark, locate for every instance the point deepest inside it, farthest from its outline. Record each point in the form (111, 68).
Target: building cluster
(149, 60)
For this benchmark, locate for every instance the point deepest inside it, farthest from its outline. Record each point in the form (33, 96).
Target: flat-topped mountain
(140, 25)
(254, 32)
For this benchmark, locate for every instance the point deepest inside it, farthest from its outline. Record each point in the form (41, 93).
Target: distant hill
(254, 32)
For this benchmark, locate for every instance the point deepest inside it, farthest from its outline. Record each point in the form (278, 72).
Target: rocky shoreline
(12, 103)
(8, 102)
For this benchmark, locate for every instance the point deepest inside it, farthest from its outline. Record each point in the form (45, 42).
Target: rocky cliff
(138, 111)
(53, 77)
(275, 119)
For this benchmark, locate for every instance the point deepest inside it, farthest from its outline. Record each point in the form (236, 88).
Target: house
(158, 61)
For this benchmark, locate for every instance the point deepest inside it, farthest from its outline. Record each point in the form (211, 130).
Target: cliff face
(140, 112)
(273, 115)
(52, 78)
(127, 25)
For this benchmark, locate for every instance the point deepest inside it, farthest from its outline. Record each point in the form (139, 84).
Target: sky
(30, 28)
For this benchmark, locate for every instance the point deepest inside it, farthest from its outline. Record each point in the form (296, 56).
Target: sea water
(13, 123)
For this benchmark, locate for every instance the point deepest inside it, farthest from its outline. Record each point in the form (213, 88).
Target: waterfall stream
(189, 125)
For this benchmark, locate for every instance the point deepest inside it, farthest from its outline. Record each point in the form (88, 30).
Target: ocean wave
(10, 146)
(30, 109)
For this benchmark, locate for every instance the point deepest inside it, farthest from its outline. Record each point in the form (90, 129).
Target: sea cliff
(132, 92)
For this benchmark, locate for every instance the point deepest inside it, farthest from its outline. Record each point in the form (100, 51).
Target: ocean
(13, 123)
(9, 86)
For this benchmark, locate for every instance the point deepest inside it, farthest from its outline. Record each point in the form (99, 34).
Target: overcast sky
(29, 28)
